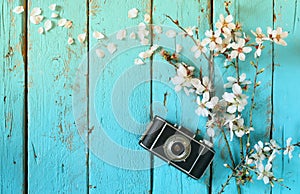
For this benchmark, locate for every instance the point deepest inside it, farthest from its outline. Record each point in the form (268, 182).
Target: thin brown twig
(191, 36)
(228, 147)
(252, 105)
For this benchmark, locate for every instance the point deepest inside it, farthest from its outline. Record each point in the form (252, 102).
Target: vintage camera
(178, 147)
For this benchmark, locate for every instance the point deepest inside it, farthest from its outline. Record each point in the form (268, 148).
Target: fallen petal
(100, 53)
(36, 19)
(70, 40)
(138, 61)
(52, 7)
(62, 22)
(36, 11)
(121, 34)
(41, 30)
(18, 9)
(54, 15)
(132, 13)
(48, 25)
(98, 35)
(68, 24)
(81, 37)
(111, 47)
(147, 18)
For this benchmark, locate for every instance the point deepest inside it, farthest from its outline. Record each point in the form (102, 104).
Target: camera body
(178, 147)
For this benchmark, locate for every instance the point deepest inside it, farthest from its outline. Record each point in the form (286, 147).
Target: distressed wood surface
(12, 109)
(120, 99)
(286, 92)
(56, 153)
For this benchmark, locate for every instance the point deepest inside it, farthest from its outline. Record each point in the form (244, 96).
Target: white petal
(41, 30)
(100, 53)
(177, 80)
(288, 141)
(36, 19)
(121, 34)
(81, 37)
(247, 49)
(70, 40)
(236, 89)
(52, 7)
(18, 9)
(242, 77)
(144, 41)
(147, 18)
(36, 11)
(61, 22)
(48, 25)
(242, 56)
(132, 35)
(170, 33)
(111, 47)
(142, 26)
(266, 179)
(68, 24)
(138, 61)
(229, 97)
(205, 97)
(239, 133)
(158, 29)
(54, 15)
(231, 109)
(98, 35)
(132, 13)
(234, 54)
(178, 88)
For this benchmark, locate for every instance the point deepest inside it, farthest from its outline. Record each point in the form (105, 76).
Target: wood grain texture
(59, 160)
(57, 155)
(12, 112)
(177, 107)
(286, 93)
(113, 166)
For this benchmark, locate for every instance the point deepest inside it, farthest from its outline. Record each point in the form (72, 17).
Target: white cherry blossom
(265, 173)
(205, 104)
(259, 36)
(198, 49)
(111, 47)
(183, 78)
(225, 24)
(237, 100)
(289, 148)
(213, 39)
(239, 49)
(278, 35)
(98, 35)
(232, 80)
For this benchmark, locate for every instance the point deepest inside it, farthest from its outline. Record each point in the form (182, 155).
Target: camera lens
(177, 148)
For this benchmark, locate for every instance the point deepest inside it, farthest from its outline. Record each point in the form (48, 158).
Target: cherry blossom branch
(191, 36)
(230, 177)
(228, 147)
(252, 103)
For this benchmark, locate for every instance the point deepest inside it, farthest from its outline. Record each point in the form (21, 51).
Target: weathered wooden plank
(57, 155)
(286, 93)
(247, 12)
(119, 101)
(176, 107)
(12, 91)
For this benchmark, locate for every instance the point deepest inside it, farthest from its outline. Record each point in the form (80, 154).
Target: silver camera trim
(169, 161)
(171, 141)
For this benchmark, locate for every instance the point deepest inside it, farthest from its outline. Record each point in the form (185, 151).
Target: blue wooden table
(44, 144)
